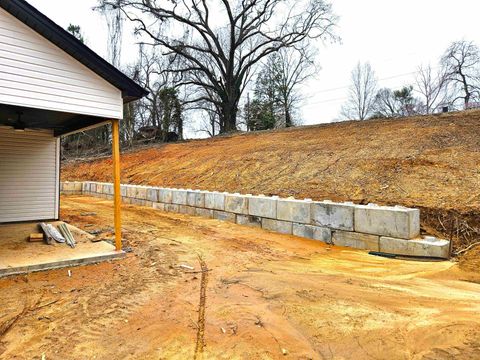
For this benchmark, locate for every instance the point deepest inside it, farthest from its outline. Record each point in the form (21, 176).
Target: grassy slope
(431, 162)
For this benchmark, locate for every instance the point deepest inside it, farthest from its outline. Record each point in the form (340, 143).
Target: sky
(394, 36)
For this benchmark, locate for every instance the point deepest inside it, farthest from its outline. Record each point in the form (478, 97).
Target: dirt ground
(268, 296)
(430, 162)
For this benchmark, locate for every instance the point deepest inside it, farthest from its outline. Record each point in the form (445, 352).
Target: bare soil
(268, 296)
(430, 162)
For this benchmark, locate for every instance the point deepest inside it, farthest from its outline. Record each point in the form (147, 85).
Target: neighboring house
(50, 85)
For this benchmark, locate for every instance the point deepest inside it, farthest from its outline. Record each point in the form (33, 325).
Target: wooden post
(117, 199)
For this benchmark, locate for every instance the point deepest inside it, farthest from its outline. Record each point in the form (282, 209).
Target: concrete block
(294, 210)
(148, 203)
(123, 190)
(152, 194)
(282, 227)
(262, 206)
(313, 232)
(426, 247)
(236, 203)
(99, 188)
(215, 200)
(179, 196)
(333, 215)
(249, 220)
(93, 187)
(108, 189)
(165, 195)
(131, 191)
(159, 206)
(139, 202)
(173, 208)
(224, 216)
(196, 199)
(141, 192)
(397, 222)
(206, 213)
(356, 240)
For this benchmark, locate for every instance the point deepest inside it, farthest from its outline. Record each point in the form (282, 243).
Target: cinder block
(427, 247)
(294, 210)
(159, 206)
(215, 200)
(152, 194)
(224, 216)
(236, 203)
(206, 213)
(333, 215)
(141, 192)
(249, 220)
(173, 208)
(282, 227)
(262, 206)
(397, 222)
(356, 240)
(179, 196)
(165, 195)
(196, 199)
(313, 232)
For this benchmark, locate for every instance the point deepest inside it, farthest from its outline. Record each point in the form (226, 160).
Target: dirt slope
(267, 295)
(428, 162)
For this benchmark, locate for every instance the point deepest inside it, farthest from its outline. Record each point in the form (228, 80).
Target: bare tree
(294, 65)
(362, 92)
(114, 19)
(219, 56)
(462, 62)
(433, 88)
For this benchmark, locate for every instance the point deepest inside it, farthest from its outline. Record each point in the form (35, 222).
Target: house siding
(36, 73)
(29, 175)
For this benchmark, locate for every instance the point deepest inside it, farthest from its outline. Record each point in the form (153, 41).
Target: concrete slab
(397, 222)
(152, 194)
(18, 256)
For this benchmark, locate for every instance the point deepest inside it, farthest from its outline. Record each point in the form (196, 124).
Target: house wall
(388, 229)
(29, 175)
(37, 74)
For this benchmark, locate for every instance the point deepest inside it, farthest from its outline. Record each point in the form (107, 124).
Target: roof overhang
(37, 21)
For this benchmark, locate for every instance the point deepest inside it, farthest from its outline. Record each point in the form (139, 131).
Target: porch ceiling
(60, 122)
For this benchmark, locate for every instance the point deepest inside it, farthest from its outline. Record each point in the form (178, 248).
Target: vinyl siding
(36, 73)
(28, 175)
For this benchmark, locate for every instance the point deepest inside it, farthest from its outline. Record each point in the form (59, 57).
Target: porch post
(116, 184)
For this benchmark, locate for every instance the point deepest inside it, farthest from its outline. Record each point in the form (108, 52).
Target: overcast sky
(394, 36)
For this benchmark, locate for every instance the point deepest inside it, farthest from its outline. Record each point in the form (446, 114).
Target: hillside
(430, 162)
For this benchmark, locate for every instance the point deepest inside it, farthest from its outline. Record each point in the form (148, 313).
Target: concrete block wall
(394, 230)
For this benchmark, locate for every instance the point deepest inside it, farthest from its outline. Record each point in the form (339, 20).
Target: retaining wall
(394, 230)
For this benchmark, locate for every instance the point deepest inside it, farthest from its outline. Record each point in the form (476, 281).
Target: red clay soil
(431, 162)
(268, 296)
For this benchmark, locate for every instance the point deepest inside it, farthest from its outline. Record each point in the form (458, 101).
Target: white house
(50, 85)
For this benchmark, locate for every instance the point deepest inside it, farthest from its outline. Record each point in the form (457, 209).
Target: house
(51, 85)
